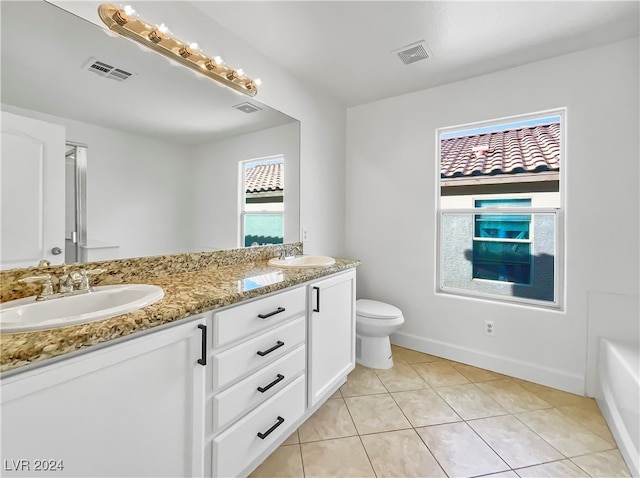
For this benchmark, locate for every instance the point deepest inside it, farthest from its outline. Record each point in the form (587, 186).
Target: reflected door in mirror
(32, 182)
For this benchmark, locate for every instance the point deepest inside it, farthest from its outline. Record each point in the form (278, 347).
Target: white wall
(391, 195)
(138, 192)
(216, 183)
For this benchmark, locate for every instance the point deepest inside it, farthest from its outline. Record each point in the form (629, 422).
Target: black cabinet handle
(279, 378)
(317, 289)
(278, 344)
(266, 434)
(203, 359)
(277, 311)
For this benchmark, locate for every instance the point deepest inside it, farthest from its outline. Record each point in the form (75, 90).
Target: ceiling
(345, 47)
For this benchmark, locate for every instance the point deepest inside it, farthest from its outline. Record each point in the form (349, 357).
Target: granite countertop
(185, 294)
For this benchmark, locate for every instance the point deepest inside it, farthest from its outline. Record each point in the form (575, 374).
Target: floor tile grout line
(431, 452)
(368, 457)
(301, 456)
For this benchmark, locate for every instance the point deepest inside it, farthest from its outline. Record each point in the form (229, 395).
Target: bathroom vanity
(210, 394)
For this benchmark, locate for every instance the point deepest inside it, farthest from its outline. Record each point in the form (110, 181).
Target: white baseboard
(529, 371)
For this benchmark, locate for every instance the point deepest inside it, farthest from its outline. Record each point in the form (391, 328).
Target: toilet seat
(374, 309)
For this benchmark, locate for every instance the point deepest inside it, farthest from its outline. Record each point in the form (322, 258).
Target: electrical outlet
(489, 327)
(305, 234)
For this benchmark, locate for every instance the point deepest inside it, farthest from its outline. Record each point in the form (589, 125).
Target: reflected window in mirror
(262, 203)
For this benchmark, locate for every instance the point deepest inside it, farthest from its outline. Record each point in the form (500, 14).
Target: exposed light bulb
(257, 81)
(240, 72)
(129, 10)
(162, 28)
(194, 46)
(218, 60)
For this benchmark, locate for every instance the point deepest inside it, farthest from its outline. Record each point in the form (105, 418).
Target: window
(262, 201)
(502, 243)
(500, 209)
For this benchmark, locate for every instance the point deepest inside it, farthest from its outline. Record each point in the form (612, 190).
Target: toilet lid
(376, 310)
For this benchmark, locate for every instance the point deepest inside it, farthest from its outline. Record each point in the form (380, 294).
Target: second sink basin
(24, 315)
(303, 261)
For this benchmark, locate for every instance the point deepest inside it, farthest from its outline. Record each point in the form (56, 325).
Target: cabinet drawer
(245, 395)
(234, 449)
(247, 319)
(256, 353)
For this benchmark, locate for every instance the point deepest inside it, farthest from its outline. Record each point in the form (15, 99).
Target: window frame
(558, 213)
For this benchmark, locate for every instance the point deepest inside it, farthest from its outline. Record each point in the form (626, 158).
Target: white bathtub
(618, 396)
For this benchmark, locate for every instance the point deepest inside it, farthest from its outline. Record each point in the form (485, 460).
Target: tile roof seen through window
(524, 150)
(265, 177)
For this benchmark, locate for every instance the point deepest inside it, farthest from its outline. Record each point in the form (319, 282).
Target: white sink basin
(303, 261)
(24, 315)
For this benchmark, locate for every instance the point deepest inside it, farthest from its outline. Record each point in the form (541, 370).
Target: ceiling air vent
(247, 107)
(108, 71)
(413, 53)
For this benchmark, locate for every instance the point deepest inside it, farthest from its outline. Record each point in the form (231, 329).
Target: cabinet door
(332, 329)
(130, 409)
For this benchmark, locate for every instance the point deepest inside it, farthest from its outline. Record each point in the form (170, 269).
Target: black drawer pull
(278, 344)
(203, 357)
(317, 308)
(266, 434)
(277, 311)
(264, 389)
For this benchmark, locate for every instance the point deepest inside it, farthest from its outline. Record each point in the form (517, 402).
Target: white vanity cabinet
(133, 408)
(332, 329)
(212, 395)
(256, 383)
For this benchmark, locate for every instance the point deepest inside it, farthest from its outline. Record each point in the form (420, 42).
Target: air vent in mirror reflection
(108, 71)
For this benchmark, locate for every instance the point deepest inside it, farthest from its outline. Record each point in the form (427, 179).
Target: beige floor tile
(513, 396)
(331, 420)
(362, 381)
(400, 454)
(401, 377)
(403, 355)
(556, 469)
(376, 413)
(606, 464)
(285, 461)
(460, 451)
(425, 407)
(475, 374)
(342, 457)
(564, 434)
(555, 397)
(470, 402)
(439, 374)
(292, 440)
(514, 442)
(590, 418)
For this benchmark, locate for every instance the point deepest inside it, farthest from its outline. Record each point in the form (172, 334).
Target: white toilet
(375, 321)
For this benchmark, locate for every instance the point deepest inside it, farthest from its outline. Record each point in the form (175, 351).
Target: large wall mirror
(165, 148)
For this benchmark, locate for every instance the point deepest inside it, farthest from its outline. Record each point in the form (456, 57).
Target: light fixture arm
(161, 41)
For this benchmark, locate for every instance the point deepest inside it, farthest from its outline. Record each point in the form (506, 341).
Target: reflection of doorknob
(56, 250)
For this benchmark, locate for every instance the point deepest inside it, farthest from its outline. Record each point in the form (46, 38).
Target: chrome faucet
(73, 283)
(47, 285)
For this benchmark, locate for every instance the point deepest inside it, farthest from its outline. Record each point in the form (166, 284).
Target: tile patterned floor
(431, 417)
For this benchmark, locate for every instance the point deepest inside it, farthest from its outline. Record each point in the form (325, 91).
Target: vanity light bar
(125, 22)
